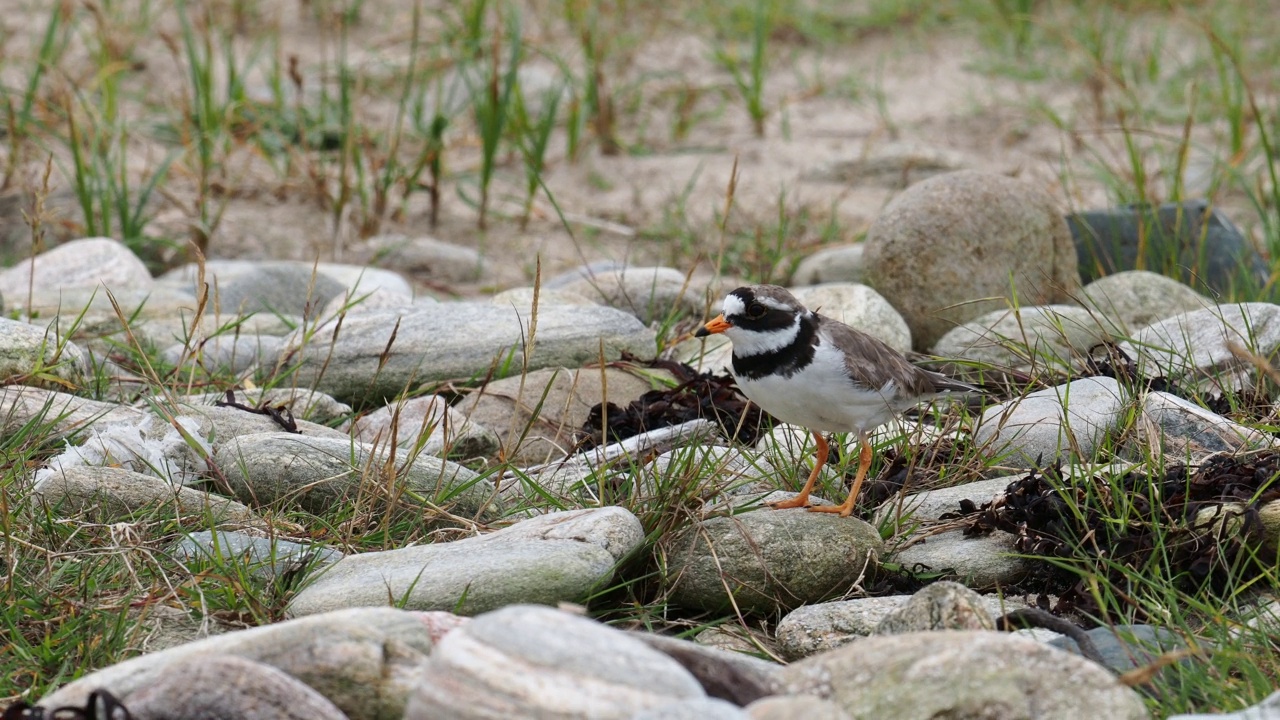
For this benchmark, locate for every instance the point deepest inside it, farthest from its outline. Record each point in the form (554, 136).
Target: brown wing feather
(872, 363)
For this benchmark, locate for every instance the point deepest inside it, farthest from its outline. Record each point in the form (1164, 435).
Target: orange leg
(802, 500)
(864, 464)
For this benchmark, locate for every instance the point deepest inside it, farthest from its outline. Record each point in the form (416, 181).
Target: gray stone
(1178, 429)
(156, 627)
(795, 707)
(842, 263)
(305, 404)
(422, 257)
(56, 413)
(443, 431)
(945, 250)
(769, 559)
(357, 279)
(1135, 299)
(922, 507)
(537, 417)
(982, 562)
(650, 293)
(226, 354)
(1026, 337)
(87, 312)
(359, 302)
(226, 686)
(941, 605)
(1051, 424)
(314, 473)
(860, 307)
(266, 558)
(521, 298)
(1268, 709)
(457, 340)
(696, 709)
(33, 356)
(536, 662)
(1126, 647)
(559, 557)
(813, 629)
(84, 263)
(962, 674)
(111, 494)
(1197, 346)
(278, 288)
(366, 661)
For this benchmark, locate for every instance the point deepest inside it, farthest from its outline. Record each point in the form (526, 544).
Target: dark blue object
(1188, 241)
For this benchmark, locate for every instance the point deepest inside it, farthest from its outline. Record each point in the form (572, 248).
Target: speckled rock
(33, 356)
(984, 562)
(962, 674)
(841, 263)
(226, 686)
(769, 559)
(1135, 299)
(1018, 338)
(428, 419)
(940, 605)
(110, 494)
(1041, 427)
(860, 307)
(1196, 347)
(945, 250)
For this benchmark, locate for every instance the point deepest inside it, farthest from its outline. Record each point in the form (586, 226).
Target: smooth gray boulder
(110, 494)
(227, 686)
(984, 562)
(858, 306)
(559, 557)
(266, 558)
(313, 473)
(956, 246)
(1202, 347)
(1070, 420)
(379, 354)
(941, 605)
(441, 430)
(1135, 299)
(366, 661)
(769, 559)
(84, 263)
(536, 662)
(1026, 337)
(962, 674)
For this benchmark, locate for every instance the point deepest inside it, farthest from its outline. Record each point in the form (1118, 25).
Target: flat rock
(945, 250)
(922, 507)
(313, 473)
(33, 356)
(87, 263)
(305, 404)
(860, 307)
(769, 559)
(278, 288)
(650, 293)
(1025, 337)
(962, 674)
(226, 354)
(1197, 346)
(227, 686)
(1051, 424)
(982, 562)
(559, 557)
(1179, 429)
(356, 279)
(841, 263)
(111, 494)
(1268, 709)
(536, 662)
(266, 558)
(813, 629)
(1126, 647)
(723, 674)
(1134, 299)
(422, 257)
(366, 661)
(537, 417)
(429, 423)
(378, 355)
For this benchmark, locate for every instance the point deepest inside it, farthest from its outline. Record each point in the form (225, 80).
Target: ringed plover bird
(810, 370)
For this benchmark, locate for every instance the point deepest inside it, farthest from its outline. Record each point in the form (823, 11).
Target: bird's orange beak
(716, 325)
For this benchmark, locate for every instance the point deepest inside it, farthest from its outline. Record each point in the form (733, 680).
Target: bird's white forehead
(733, 304)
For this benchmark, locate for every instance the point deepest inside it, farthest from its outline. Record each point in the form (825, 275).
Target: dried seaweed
(696, 395)
(1078, 520)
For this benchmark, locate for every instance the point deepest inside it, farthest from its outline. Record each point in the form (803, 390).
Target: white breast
(823, 397)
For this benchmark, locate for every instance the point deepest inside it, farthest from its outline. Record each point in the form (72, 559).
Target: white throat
(755, 342)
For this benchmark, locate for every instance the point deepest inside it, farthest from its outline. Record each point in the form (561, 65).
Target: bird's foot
(795, 502)
(844, 511)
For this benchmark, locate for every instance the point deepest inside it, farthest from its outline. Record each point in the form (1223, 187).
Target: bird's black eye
(755, 311)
